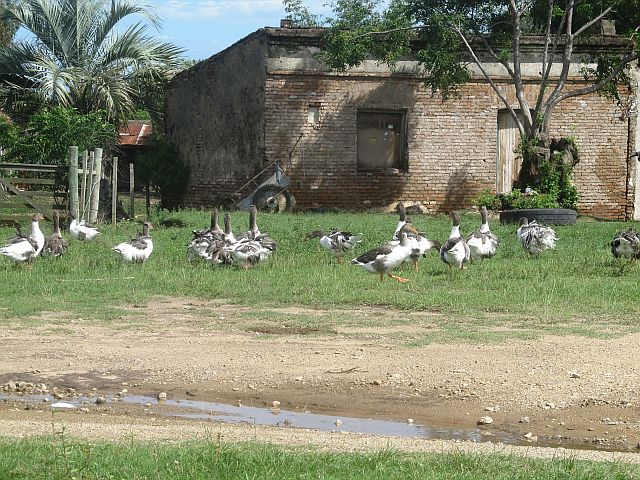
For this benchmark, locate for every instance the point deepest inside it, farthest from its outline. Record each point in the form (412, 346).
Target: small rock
(531, 437)
(298, 379)
(275, 404)
(493, 409)
(338, 422)
(62, 406)
(410, 421)
(84, 410)
(524, 420)
(485, 421)
(100, 400)
(376, 382)
(573, 374)
(162, 396)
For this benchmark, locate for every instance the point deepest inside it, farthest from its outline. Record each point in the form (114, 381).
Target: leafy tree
(300, 15)
(47, 134)
(447, 36)
(80, 55)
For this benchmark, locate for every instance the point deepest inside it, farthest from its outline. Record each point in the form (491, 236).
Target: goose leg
(381, 277)
(398, 279)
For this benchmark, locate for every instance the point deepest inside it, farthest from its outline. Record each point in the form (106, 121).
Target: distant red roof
(136, 133)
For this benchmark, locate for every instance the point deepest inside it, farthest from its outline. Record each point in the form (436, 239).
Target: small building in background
(370, 137)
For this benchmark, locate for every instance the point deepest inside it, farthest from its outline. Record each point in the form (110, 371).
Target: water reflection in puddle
(220, 412)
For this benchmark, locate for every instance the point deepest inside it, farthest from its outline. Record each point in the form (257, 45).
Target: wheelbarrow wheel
(271, 198)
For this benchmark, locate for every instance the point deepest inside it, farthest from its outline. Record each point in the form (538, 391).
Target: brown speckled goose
(54, 244)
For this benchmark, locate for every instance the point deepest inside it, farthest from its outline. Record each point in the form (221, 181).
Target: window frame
(403, 163)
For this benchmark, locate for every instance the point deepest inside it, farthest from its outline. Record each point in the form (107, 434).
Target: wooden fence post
(74, 207)
(131, 184)
(91, 166)
(95, 186)
(83, 185)
(114, 190)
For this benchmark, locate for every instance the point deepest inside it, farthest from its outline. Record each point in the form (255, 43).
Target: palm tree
(7, 28)
(82, 54)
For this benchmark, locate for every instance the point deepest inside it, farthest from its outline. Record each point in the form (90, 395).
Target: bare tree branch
(517, 67)
(595, 20)
(490, 80)
(597, 86)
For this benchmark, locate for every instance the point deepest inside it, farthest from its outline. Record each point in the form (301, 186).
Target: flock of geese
(221, 246)
(213, 244)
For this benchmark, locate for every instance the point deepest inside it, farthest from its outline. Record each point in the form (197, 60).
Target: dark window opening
(382, 140)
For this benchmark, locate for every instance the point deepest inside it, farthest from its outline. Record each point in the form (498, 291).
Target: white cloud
(217, 8)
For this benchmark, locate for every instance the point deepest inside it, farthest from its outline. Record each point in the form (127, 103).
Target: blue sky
(204, 27)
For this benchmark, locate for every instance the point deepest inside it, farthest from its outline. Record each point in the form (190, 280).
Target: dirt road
(556, 391)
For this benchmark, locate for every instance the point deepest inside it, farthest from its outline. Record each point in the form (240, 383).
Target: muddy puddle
(220, 412)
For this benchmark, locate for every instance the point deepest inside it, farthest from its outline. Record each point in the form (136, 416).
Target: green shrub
(47, 135)
(488, 199)
(552, 188)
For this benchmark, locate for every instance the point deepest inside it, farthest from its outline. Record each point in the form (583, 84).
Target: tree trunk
(534, 150)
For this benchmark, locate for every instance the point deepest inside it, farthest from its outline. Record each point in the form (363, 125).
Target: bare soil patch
(575, 391)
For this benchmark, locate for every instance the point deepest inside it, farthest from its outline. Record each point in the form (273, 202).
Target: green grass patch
(59, 458)
(576, 289)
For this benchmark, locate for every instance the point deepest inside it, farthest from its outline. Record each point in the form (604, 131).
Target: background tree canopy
(82, 54)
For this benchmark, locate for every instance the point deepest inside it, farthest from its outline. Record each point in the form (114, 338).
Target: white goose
(138, 249)
(337, 241)
(626, 244)
(54, 244)
(385, 258)
(420, 246)
(535, 238)
(482, 243)
(455, 252)
(24, 248)
(81, 231)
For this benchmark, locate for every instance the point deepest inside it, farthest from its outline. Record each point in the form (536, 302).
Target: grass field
(578, 288)
(56, 458)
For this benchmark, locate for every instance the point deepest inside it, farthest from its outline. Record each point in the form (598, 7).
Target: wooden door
(508, 162)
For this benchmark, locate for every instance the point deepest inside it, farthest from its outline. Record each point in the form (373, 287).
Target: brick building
(370, 137)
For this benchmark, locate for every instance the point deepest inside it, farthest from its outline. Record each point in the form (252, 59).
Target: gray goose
(54, 244)
(535, 238)
(626, 244)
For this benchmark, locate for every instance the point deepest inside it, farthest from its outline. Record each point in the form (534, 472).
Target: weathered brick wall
(451, 145)
(215, 116)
